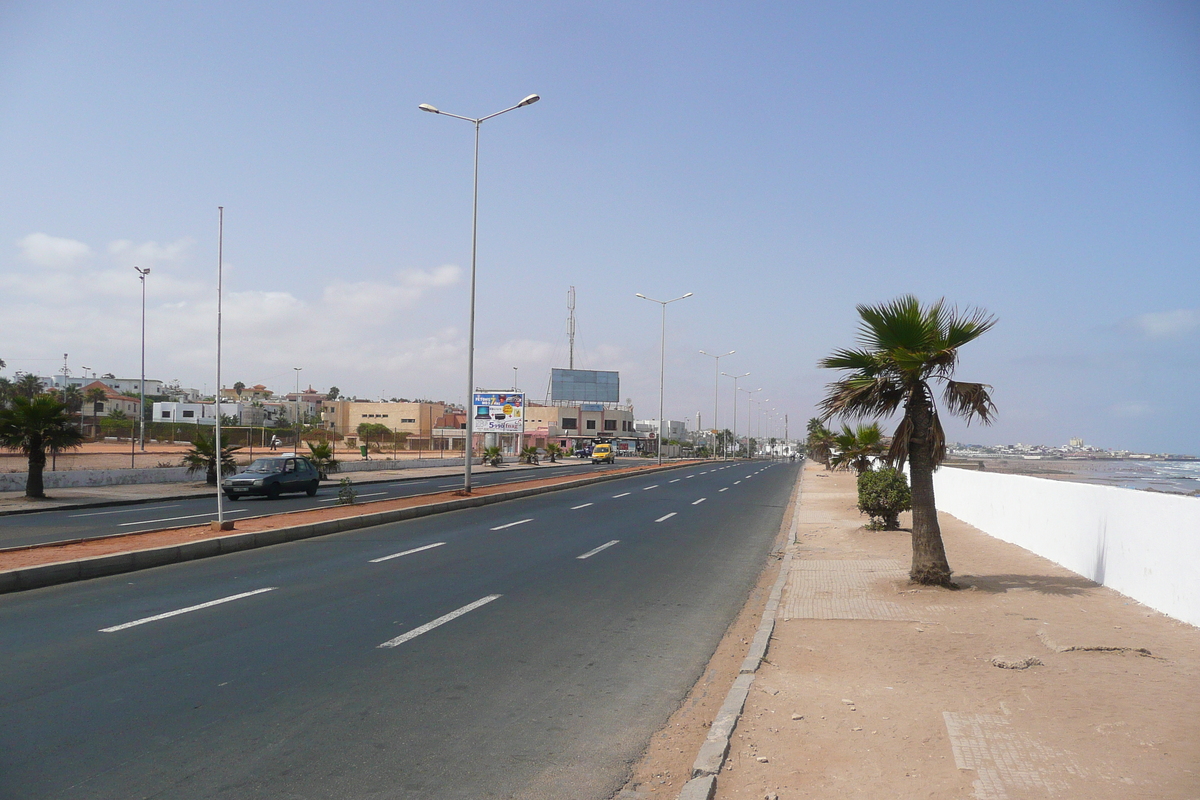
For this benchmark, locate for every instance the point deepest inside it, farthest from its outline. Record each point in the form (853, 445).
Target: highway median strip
(34, 566)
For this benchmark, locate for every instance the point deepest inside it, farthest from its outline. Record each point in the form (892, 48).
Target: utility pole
(571, 326)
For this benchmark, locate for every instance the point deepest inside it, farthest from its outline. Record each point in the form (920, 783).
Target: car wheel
(231, 496)
(311, 491)
(273, 492)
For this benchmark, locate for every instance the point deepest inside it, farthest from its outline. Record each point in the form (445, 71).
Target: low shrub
(882, 495)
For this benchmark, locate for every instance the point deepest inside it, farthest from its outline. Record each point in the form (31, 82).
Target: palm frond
(973, 323)
(861, 397)
(938, 437)
(969, 400)
(860, 360)
(898, 452)
(896, 324)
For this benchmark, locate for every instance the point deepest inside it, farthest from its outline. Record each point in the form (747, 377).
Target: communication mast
(571, 325)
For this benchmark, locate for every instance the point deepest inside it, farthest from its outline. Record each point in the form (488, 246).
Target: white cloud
(53, 251)
(1167, 324)
(148, 254)
(380, 297)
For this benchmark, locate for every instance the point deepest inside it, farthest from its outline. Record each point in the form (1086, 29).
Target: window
(189, 413)
(166, 415)
(404, 420)
(610, 424)
(591, 424)
(570, 423)
(99, 406)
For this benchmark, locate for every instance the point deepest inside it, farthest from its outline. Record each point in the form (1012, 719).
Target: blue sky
(783, 161)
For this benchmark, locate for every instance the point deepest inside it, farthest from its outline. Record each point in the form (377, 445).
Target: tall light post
(297, 370)
(220, 523)
(749, 419)
(735, 391)
(662, 356)
(142, 273)
(514, 379)
(716, 393)
(530, 100)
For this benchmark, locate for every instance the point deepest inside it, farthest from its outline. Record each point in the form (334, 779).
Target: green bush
(883, 494)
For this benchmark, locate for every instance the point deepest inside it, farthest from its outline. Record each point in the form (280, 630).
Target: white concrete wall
(15, 481)
(1145, 545)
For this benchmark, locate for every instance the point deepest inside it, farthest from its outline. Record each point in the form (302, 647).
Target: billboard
(498, 412)
(585, 386)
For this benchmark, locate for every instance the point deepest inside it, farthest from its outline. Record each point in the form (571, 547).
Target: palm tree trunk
(929, 564)
(37, 464)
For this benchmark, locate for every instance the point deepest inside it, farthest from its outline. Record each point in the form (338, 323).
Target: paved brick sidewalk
(1031, 682)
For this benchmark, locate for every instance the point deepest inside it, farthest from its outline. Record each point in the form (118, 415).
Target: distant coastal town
(1075, 450)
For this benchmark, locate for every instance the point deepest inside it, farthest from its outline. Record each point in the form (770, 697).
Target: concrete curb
(86, 568)
(711, 756)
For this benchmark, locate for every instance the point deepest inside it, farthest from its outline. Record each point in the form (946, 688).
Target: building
(249, 394)
(417, 420)
(125, 386)
(113, 401)
(569, 425)
(673, 429)
(195, 413)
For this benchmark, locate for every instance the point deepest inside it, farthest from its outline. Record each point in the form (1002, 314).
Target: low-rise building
(416, 420)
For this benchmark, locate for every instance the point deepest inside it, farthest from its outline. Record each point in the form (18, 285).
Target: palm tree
(321, 455)
(904, 348)
(858, 447)
(6, 391)
(553, 450)
(820, 442)
(95, 396)
(34, 426)
(202, 457)
(28, 386)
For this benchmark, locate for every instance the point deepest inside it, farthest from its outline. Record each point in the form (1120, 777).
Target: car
(603, 452)
(271, 477)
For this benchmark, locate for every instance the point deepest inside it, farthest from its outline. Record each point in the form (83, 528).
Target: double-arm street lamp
(735, 391)
(662, 354)
(716, 393)
(530, 100)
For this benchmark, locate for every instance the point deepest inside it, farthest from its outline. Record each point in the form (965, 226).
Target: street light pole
(221, 524)
(469, 444)
(662, 356)
(142, 273)
(735, 391)
(297, 369)
(716, 394)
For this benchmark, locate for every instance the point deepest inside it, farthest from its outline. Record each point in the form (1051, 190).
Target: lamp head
(429, 108)
(528, 101)
(689, 294)
(639, 294)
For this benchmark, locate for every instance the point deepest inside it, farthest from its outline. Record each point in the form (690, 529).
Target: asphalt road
(525, 649)
(64, 524)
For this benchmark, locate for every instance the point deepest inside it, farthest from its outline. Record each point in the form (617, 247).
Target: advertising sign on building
(585, 386)
(498, 412)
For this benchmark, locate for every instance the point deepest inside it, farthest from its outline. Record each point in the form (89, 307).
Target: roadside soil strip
(39, 555)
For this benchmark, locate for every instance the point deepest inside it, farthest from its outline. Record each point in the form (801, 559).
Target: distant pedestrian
(275, 442)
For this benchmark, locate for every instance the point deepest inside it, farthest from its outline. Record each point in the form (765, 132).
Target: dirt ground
(876, 688)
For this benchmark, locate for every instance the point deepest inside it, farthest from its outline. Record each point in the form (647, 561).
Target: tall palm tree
(820, 443)
(6, 391)
(904, 348)
(858, 447)
(95, 396)
(28, 386)
(34, 426)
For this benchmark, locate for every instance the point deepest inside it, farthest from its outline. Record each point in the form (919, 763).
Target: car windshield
(267, 465)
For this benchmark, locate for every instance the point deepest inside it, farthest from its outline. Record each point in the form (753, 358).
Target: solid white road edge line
(668, 516)
(210, 603)
(698, 502)
(585, 505)
(406, 552)
(591, 553)
(123, 511)
(428, 626)
(189, 516)
(509, 525)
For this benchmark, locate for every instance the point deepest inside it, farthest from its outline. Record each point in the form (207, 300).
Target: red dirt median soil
(38, 555)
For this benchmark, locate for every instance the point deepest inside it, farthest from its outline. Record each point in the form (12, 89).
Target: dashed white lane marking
(585, 505)
(510, 524)
(674, 481)
(189, 516)
(442, 620)
(406, 552)
(591, 553)
(123, 511)
(176, 613)
(622, 494)
(726, 489)
(691, 476)
(735, 483)
(647, 488)
(448, 485)
(667, 517)
(698, 502)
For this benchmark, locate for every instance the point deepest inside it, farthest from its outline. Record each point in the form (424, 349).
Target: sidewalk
(1031, 682)
(100, 496)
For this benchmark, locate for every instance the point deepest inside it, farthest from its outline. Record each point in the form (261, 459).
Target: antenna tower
(571, 324)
